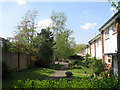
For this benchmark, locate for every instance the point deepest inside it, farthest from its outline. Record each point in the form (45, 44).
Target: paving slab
(59, 73)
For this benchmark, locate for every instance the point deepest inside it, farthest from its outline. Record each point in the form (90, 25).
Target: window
(107, 34)
(97, 42)
(108, 59)
(92, 46)
(114, 28)
(100, 41)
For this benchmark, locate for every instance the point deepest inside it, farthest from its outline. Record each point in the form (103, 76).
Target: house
(87, 49)
(106, 45)
(11, 39)
(81, 53)
(110, 32)
(96, 47)
(1, 41)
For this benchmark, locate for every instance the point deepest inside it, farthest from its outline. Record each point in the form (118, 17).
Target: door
(115, 63)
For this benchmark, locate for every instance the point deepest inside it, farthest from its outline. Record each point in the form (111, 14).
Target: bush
(66, 60)
(71, 64)
(79, 62)
(97, 66)
(87, 61)
(63, 83)
(68, 73)
(76, 57)
(6, 71)
(77, 67)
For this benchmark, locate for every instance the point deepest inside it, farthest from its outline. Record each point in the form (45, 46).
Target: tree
(62, 36)
(25, 33)
(46, 52)
(78, 48)
(6, 45)
(116, 4)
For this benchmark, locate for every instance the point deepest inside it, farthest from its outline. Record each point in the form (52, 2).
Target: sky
(84, 18)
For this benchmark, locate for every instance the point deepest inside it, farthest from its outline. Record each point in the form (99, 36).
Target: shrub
(91, 76)
(87, 61)
(68, 73)
(71, 64)
(97, 66)
(66, 60)
(77, 67)
(79, 62)
(6, 71)
(63, 83)
(74, 57)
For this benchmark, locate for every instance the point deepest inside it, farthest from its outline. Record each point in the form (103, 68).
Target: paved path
(59, 73)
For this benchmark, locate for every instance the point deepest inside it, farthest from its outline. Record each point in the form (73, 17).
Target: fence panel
(16, 62)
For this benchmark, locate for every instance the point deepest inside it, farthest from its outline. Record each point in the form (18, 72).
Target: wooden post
(111, 63)
(118, 43)
(18, 60)
(90, 50)
(95, 48)
(103, 57)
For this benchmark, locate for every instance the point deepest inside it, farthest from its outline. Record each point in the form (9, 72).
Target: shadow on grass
(32, 74)
(55, 66)
(67, 78)
(9, 83)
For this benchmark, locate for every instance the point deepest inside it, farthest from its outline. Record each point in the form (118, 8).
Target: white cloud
(88, 26)
(21, 2)
(44, 24)
(84, 12)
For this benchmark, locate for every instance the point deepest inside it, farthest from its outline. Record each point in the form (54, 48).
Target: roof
(1, 39)
(87, 45)
(110, 21)
(82, 51)
(95, 38)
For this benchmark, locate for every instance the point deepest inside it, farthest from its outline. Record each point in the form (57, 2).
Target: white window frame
(92, 46)
(100, 40)
(107, 59)
(114, 28)
(107, 34)
(97, 42)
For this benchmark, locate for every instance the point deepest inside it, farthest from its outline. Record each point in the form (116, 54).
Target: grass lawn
(79, 73)
(33, 74)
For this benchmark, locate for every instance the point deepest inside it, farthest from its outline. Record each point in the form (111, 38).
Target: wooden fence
(16, 61)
